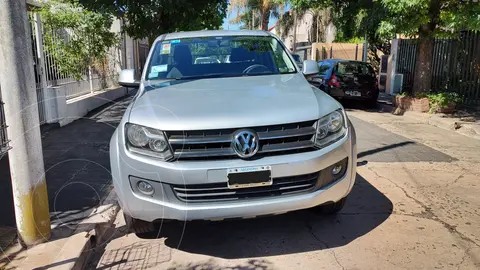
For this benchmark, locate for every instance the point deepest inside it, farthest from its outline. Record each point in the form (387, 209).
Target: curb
(445, 123)
(80, 246)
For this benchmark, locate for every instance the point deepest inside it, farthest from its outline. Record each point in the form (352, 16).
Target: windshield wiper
(208, 76)
(223, 75)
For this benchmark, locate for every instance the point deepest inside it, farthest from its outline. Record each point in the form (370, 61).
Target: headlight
(330, 129)
(147, 141)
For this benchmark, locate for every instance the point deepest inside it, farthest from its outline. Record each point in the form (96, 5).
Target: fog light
(145, 188)
(337, 169)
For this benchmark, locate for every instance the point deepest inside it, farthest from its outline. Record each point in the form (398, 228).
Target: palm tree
(321, 18)
(265, 8)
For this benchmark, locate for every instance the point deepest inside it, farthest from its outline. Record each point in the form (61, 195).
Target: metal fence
(455, 68)
(305, 52)
(3, 131)
(143, 50)
(406, 62)
(34, 30)
(89, 81)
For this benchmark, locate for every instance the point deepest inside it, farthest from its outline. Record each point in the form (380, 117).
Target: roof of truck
(213, 33)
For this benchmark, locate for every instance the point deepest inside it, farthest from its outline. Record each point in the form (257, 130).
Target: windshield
(323, 68)
(296, 57)
(358, 68)
(223, 56)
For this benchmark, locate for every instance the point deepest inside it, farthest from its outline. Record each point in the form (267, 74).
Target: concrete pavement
(414, 206)
(78, 177)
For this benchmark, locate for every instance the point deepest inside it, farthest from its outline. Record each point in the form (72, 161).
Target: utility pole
(365, 50)
(21, 112)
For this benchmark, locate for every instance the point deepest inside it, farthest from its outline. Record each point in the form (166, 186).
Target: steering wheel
(256, 66)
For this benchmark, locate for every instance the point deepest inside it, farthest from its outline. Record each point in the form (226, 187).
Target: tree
(265, 8)
(76, 38)
(246, 19)
(427, 19)
(380, 20)
(151, 18)
(320, 20)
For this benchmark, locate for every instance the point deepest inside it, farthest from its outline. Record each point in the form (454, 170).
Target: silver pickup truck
(241, 137)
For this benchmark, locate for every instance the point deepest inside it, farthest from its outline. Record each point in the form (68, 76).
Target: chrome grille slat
(295, 187)
(220, 192)
(209, 152)
(178, 139)
(198, 189)
(279, 134)
(284, 139)
(225, 188)
(285, 146)
(185, 195)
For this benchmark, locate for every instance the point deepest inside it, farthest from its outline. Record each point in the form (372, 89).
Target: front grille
(217, 192)
(274, 140)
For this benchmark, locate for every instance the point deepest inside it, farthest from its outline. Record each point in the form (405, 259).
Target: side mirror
(310, 68)
(127, 78)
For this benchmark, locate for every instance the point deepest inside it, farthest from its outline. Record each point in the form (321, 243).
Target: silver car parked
(242, 138)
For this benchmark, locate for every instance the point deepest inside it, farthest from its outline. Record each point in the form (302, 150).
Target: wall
(338, 50)
(65, 111)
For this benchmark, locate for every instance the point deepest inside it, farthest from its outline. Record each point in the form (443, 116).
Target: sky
(228, 26)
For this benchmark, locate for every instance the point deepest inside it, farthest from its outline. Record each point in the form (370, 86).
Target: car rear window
(358, 68)
(323, 68)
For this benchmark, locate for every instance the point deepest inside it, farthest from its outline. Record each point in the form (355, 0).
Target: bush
(443, 100)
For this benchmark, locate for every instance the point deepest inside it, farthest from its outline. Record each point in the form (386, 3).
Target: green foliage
(261, 8)
(74, 37)
(151, 18)
(402, 94)
(442, 100)
(380, 20)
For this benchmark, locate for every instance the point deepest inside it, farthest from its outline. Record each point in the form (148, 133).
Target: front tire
(330, 208)
(138, 226)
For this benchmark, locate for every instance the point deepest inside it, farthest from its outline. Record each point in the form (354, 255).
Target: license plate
(249, 177)
(353, 93)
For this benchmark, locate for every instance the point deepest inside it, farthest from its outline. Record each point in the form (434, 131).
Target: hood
(231, 103)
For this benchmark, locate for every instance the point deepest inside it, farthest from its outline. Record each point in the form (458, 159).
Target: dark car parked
(347, 79)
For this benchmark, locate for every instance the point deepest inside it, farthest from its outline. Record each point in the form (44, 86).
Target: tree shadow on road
(294, 232)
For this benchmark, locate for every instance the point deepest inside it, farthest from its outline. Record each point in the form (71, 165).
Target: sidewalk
(78, 176)
(462, 122)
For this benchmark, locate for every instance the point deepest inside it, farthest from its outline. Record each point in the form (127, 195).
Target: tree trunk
(422, 80)
(265, 19)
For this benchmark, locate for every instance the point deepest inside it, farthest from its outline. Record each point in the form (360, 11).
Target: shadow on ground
(294, 232)
(380, 107)
(77, 167)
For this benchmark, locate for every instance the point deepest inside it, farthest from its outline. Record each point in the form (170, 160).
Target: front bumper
(339, 93)
(163, 205)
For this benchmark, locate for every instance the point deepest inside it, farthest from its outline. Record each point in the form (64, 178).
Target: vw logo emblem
(245, 143)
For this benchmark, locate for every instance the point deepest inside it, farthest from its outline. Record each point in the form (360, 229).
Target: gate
(455, 68)
(3, 131)
(407, 49)
(304, 52)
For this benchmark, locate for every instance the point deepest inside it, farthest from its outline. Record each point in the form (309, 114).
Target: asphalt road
(376, 144)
